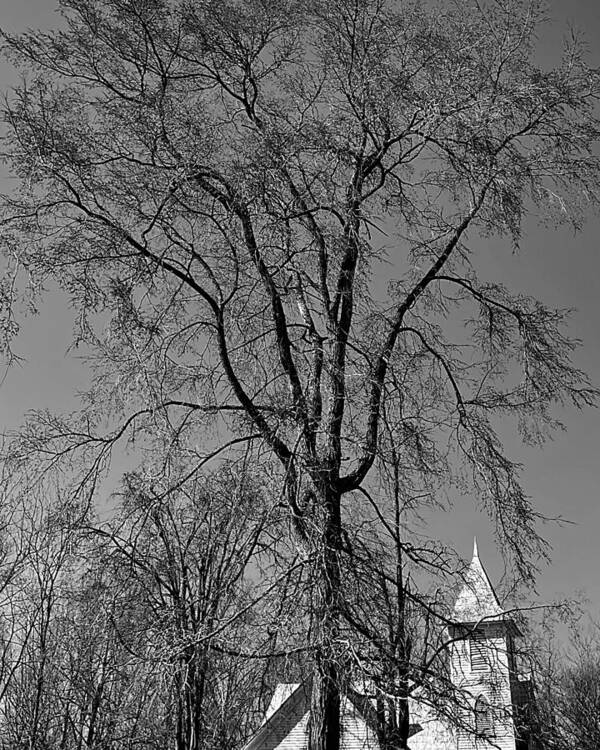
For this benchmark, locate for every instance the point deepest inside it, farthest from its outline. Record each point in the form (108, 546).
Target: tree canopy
(268, 217)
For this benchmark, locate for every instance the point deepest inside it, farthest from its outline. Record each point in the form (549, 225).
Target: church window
(480, 655)
(484, 726)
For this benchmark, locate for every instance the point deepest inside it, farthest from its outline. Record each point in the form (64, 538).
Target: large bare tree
(267, 215)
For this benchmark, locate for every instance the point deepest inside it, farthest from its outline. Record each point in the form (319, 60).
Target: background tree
(137, 632)
(184, 559)
(578, 704)
(40, 558)
(230, 185)
(564, 708)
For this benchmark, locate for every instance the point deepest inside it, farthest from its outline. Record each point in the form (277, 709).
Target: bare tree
(34, 597)
(232, 186)
(137, 631)
(564, 708)
(184, 559)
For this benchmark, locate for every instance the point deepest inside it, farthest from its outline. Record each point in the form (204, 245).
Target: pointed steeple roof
(477, 599)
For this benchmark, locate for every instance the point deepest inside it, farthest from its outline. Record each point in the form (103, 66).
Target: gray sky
(558, 267)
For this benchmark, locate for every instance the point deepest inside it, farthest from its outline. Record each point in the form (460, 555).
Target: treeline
(138, 632)
(170, 624)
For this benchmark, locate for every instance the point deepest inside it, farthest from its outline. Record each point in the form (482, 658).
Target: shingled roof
(477, 600)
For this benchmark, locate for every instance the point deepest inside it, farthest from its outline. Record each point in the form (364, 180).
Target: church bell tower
(482, 665)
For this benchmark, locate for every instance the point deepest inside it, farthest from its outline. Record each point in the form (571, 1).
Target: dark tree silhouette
(267, 215)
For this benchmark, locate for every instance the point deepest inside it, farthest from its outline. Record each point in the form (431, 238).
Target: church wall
(291, 733)
(293, 736)
(434, 735)
(490, 679)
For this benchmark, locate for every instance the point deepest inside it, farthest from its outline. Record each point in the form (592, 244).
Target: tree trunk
(393, 724)
(325, 705)
(324, 726)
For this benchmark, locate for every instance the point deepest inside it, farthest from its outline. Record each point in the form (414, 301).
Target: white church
(482, 667)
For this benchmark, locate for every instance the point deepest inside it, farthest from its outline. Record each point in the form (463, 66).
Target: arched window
(484, 726)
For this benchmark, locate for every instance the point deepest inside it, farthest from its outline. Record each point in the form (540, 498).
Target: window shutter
(480, 652)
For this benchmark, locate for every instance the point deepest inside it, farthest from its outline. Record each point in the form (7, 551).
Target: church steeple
(482, 664)
(477, 600)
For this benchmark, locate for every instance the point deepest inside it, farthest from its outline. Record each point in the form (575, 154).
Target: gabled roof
(477, 599)
(283, 691)
(282, 718)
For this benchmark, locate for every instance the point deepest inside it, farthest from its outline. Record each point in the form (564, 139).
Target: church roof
(477, 600)
(283, 691)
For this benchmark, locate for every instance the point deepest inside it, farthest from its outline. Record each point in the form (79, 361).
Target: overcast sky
(558, 267)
